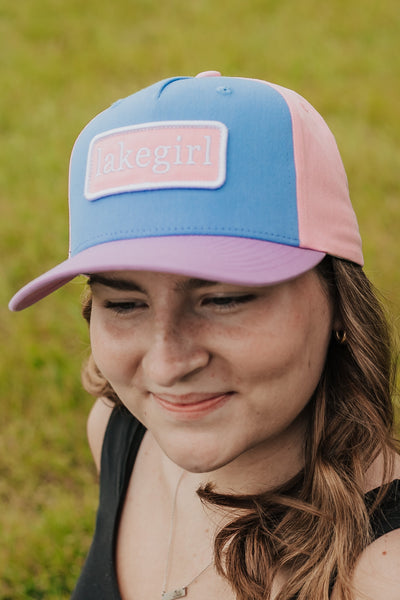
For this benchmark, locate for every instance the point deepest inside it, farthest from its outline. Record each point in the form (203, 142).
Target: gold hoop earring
(341, 337)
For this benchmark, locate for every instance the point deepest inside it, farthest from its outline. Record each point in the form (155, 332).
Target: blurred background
(62, 61)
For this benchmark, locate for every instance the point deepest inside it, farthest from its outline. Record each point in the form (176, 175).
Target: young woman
(243, 429)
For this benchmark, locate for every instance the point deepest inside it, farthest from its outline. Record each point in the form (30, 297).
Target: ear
(337, 323)
(338, 330)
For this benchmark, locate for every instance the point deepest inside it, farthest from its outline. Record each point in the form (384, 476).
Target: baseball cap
(222, 178)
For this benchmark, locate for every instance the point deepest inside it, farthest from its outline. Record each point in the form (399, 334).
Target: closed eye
(226, 302)
(124, 307)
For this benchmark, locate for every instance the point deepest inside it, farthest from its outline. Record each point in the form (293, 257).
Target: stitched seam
(167, 231)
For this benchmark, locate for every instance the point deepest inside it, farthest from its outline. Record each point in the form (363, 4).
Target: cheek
(310, 347)
(287, 356)
(274, 361)
(112, 352)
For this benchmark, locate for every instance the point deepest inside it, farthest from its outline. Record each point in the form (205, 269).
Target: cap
(223, 178)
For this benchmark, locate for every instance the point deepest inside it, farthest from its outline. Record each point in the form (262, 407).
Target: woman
(244, 428)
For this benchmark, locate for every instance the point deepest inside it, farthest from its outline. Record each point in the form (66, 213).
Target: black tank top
(98, 580)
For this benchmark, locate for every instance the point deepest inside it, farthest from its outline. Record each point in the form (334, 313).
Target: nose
(174, 353)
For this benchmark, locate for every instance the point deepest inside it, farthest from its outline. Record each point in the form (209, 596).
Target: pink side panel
(326, 217)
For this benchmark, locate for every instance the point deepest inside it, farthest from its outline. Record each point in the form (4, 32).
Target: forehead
(136, 280)
(310, 282)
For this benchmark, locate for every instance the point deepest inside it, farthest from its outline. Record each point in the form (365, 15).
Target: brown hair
(315, 526)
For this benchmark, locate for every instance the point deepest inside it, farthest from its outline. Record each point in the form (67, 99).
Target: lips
(192, 404)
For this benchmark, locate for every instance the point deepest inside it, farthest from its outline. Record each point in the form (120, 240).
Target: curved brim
(216, 258)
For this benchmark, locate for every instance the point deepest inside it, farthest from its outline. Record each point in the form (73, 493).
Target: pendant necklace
(179, 592)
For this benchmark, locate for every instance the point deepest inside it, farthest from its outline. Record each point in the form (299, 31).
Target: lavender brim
(228, 259)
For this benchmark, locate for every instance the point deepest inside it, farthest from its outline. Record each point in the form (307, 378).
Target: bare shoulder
(377, 573)
(96, 427)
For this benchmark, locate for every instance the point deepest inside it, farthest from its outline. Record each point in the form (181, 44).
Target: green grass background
(61, 62)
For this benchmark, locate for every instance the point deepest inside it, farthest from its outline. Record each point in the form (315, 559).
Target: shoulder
(377, 573)
(96, 427)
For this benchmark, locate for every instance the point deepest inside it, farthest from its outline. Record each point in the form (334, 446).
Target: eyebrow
(119, 283)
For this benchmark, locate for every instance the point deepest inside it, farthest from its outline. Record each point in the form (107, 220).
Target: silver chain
(179, 592)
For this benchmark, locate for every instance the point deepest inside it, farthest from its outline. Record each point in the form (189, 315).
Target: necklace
(180, 592)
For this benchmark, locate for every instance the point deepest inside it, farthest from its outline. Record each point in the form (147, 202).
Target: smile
(192, 405)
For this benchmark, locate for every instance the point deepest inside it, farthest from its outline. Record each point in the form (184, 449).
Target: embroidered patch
(166, 154)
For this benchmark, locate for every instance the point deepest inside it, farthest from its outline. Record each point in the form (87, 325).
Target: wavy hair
(314, 527)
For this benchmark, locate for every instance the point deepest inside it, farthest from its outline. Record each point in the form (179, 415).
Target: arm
(96, 427)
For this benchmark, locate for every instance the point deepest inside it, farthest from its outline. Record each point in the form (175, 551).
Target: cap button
(209, 74)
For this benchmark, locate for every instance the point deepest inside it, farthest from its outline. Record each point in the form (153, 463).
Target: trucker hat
(222, 178)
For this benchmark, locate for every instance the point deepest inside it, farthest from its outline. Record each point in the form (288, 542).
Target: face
(218, 373)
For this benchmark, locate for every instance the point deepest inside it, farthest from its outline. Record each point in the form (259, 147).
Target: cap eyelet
(224, 90)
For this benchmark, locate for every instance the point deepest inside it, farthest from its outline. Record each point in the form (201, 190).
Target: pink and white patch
(167, 154)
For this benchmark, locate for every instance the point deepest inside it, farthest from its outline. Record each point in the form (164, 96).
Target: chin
(193, 461)
(195, 464)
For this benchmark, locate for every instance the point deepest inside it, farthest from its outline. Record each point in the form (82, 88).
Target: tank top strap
(124, 433)
(121, 443)
(386, 517)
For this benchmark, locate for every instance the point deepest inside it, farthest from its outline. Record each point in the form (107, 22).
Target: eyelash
(228, 302)
(221, 303)
(121, 308)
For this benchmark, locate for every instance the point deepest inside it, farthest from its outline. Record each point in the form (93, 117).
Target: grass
(65, 60)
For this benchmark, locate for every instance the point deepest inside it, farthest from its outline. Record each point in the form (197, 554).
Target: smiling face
(219, 373)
